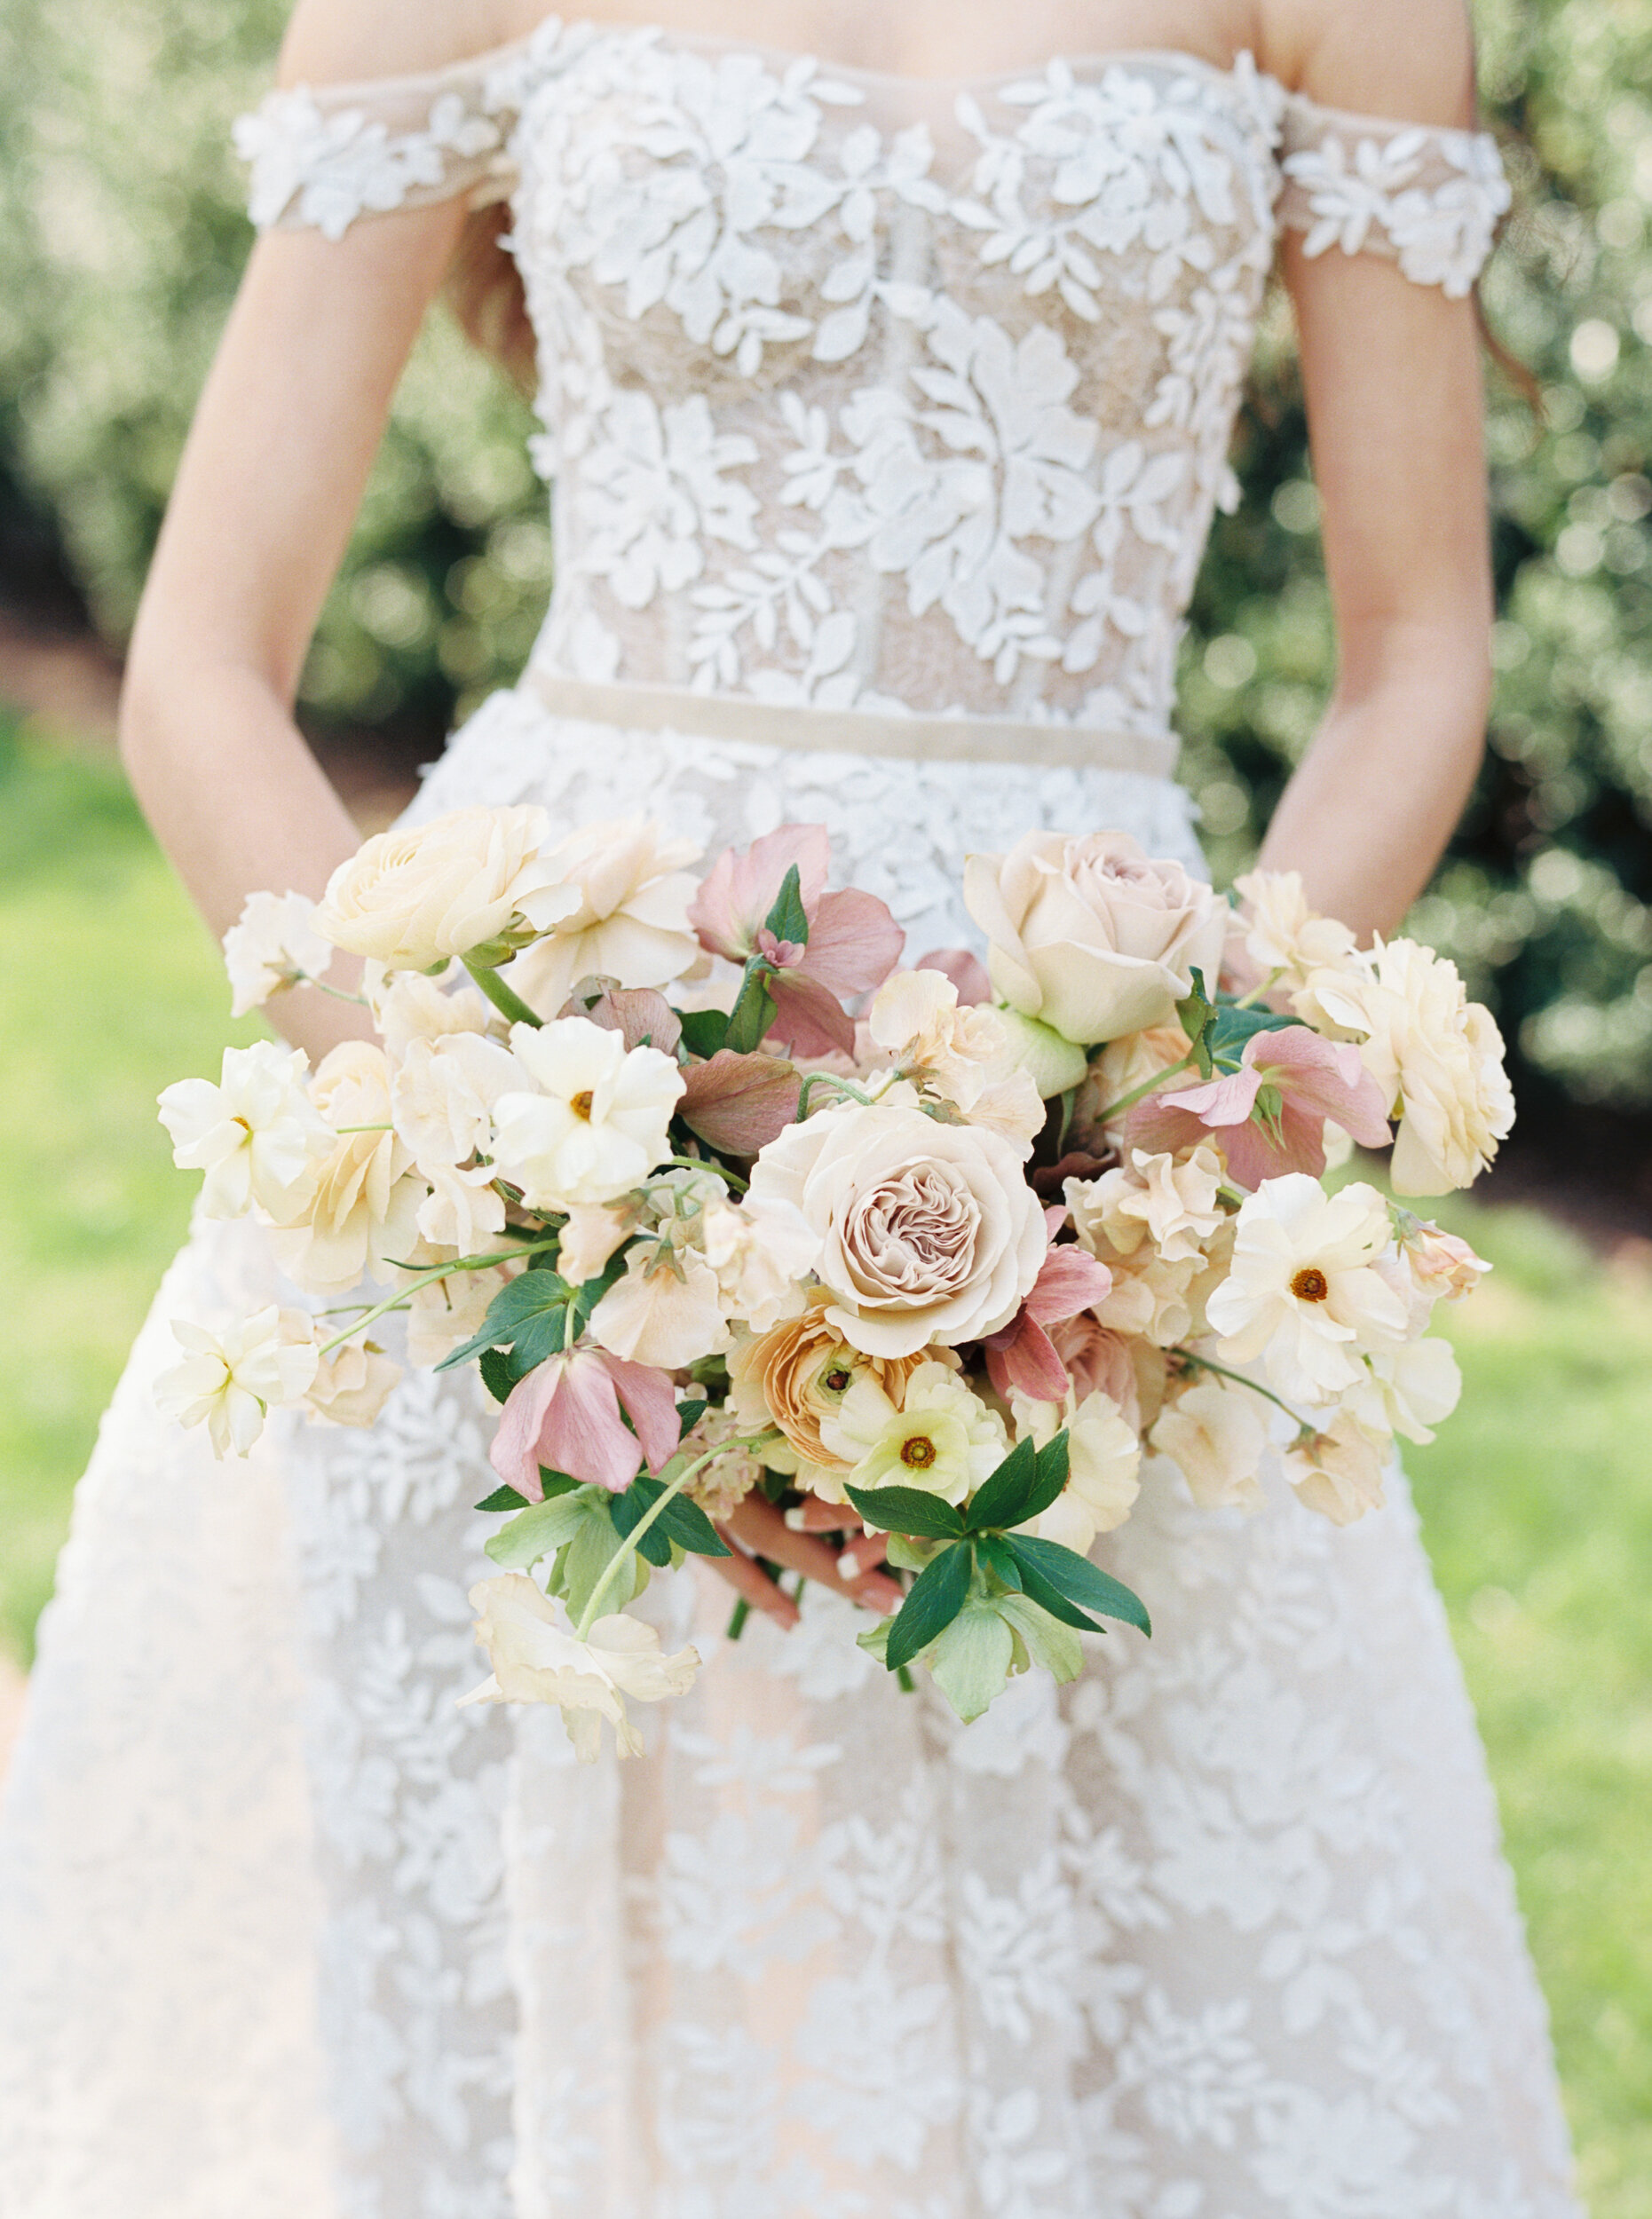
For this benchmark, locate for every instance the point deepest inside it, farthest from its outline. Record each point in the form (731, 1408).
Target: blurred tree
(120, 236)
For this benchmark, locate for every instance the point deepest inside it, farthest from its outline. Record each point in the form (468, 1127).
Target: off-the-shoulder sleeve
(321, 157)
(1430, 199)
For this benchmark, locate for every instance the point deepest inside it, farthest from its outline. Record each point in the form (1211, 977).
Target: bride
(887, 363)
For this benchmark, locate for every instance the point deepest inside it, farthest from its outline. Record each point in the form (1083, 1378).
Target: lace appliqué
(1431, 199)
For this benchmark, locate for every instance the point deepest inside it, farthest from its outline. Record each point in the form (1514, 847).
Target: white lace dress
(885, 422)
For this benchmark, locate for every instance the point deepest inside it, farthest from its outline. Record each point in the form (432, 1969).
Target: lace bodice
(875, 393)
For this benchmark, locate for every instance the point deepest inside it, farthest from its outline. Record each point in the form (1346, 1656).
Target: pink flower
(1313, 1078)
(1023, 1356)
(566, 1415)
(853, 941)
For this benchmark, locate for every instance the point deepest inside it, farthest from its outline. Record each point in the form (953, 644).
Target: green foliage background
(120, 237)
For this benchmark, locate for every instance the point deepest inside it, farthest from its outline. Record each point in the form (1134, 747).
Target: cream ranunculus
(629, 917)
(537, 1658)
(358, 1214)
(228, 1381)
(1303, 1292)
(598, 1125)
(1437, 1056)
(271, 947)
(1213, 1436)
(1091, 936)
(256, 1134)
(924, 1232)
(473, 883)
(942, 1440)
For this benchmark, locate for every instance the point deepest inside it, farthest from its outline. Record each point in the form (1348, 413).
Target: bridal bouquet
(928, 1257)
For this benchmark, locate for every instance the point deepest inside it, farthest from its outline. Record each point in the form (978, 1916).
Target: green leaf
(681, 1520)
(1233, 1029)
(587, 1558)
(1036, 1588)
(788, 919)
(704, 1031)
(499, 1374)
(754, 1009)
(1080, 1581)
(1194, 1014)
(992, 1552)
(907, 1510)
(937, 1597)
(554, 1483)
(971, 1660)
(541, 1530)
(1054, 1464)
(1048, 1642)
(530, 1311)
(1001, 1499)
(689, 1415)
(503, 1498)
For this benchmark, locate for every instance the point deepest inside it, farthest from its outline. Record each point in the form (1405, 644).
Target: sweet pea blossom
(228, 1380)
(256, 1134)
(352, 1386)
(358, 1211)
(598, 1125)
(537, 1658)
(1303, 1293)
(1213, 1436)
(1309, 1079)
(1103, 1458)
(1339, 1472)
(628, 921)
(1284, 939)
(853, 945)
(967, 1055)
(566, 1415)
(271, 947)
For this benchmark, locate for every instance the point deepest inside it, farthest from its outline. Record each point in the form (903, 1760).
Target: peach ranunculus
(1090, 934)
(628, 921)
(1436, 1056)
(923, 1232)
(474, 882)
(795, 1377)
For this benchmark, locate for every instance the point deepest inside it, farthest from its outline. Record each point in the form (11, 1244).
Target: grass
(1537, 1502)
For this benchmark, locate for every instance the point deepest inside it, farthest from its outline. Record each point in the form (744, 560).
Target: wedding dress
(885, 422)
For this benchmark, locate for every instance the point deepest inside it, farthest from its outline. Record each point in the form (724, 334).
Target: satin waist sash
(804, 729)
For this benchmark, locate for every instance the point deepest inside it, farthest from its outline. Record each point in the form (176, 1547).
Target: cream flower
(273, 946)
(1303, 1293)
(1091, 936)
(924, 1232)
(1283, 936)
(228, 1381)
(1123, 1067)
(1103, 1460)
(1339, 1472)
(442, 1096)
(537, 1658)
(968, 1056)
(627, 919)
(1408, 1390)
(1437, 1056)
(761, 1258)
(589, 1238)
(352, 1386)
(444, 1312)
(358, 1213)
(942, 1440)
(1169, 1200)
(463, 1212)
(667, 1309)
(256, 1135)
(598, 1125)
(1213, 1436)
(407, 1007)
(1444, 1267)
(795, 1377)
(473, 883)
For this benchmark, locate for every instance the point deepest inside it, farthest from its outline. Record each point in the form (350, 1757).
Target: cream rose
(1090, 934)
(924, 1232)
(415, 896)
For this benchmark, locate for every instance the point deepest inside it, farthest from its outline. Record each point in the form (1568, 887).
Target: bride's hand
(758, 1529)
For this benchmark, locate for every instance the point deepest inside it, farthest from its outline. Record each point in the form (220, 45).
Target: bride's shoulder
(1411, 60)
(355, 41)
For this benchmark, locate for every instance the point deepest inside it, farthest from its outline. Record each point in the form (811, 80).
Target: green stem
(364, 1128)
(504, 999)
(838, 1085)
(1206, 1363)
(424, 1279)
(1139, 1094)
(720, 1171)
(627, 1547)
(303, 978)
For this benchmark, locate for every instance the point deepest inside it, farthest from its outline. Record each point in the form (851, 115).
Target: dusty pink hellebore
(1022, 1356)
(566, 1415)
(854, 943)
(1316, 1078)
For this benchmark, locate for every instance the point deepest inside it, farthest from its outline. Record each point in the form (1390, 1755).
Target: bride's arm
(266, 497)
(1392, 374)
